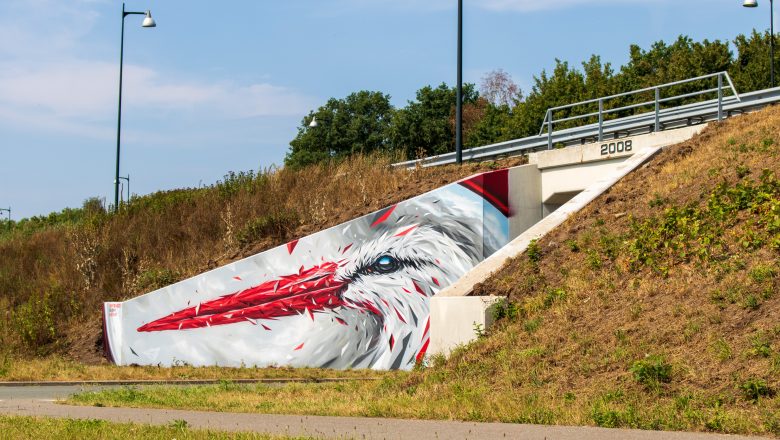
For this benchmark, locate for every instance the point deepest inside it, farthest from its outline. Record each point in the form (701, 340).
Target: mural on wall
(352, 296)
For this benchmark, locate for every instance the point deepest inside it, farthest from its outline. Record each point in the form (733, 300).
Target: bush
(277, 224)
(652, 371)
(753, 389)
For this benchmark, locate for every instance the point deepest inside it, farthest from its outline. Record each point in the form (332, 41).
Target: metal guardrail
(644, 123)
(550, 121)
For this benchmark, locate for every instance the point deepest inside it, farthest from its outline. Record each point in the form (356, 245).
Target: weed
(658, 201)
(506, 309)
(278, 224)
(179, 424)
(760, 346)
(156, 278)
(532, 325)
(534, 252)
(479, 330)
(751, 302)
(762, 273)
(573, 245)
(635, 311)
(593, 259)
(651, 371)
(552, 296)
(722, 349)
(753, 389)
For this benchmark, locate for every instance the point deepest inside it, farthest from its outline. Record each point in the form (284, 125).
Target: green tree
(359, 123)
(424, 127)
(565, 86)
(750, 70)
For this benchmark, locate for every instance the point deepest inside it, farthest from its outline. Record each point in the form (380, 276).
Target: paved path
(39, 402)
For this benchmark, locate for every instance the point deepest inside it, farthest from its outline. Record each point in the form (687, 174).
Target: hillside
(656, 307)
(56, 271)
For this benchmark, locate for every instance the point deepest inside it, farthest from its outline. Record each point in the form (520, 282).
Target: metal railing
(656, 103)
(643, 123)
(638, 124)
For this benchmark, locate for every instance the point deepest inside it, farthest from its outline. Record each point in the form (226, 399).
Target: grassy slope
(655, 307)
(56, 273)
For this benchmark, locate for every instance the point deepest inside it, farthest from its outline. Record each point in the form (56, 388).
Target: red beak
(314, 289)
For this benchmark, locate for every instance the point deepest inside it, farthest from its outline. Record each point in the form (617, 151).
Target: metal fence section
(656, 103)
(658, 119)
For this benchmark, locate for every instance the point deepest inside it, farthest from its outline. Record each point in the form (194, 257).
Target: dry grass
(55, 368)
(689, 342)
(34, 428)
(54, 280)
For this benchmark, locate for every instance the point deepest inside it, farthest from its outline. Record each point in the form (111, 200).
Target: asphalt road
(39, 401)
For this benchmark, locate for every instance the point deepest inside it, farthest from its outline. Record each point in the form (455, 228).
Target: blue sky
(221, 86)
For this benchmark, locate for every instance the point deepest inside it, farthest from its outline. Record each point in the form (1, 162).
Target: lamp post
(9, 216)
(753, 4)
(459, 94)
(147, 23)
(128, 185)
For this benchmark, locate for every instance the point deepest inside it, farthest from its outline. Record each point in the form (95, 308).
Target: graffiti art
(352, 296)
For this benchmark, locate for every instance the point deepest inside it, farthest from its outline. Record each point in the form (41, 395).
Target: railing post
(601, 119)
(549, 129)
(720, 97)
(657, 109)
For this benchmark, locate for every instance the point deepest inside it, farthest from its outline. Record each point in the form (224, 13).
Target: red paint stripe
(421, 354)
(291, 246)
(418, 288)
(298, 347)
(399, 315)
(406, 231)
(346, 248)
(473, 186)
(385, 215)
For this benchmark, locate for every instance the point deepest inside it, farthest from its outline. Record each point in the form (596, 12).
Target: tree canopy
(365, 121)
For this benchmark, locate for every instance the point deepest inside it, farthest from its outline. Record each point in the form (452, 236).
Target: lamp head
(313, 122)
(750, 3)
(149, 21)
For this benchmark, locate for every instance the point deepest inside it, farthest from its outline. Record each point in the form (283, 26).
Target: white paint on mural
(352, 296)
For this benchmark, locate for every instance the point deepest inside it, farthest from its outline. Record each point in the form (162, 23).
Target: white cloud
(77, 93)
(51, 79)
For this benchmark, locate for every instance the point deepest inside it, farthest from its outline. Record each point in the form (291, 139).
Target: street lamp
(753, 4)
(313, 123)
(147, 23)
(128, 185)
(459, 94)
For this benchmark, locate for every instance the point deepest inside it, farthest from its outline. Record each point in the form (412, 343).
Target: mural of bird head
(362, 301)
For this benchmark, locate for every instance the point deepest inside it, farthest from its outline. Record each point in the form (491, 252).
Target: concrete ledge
(486, 268)
(593, 152)
(454, 320)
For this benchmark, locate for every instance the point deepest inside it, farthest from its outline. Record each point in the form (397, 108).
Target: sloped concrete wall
(352, 296)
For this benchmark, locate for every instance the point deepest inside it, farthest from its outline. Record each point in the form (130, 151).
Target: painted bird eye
(385, 264)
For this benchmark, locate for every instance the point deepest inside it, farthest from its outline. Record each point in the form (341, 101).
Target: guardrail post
(549, 129)
(601, 119)
(720, 97)
(657, 109)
